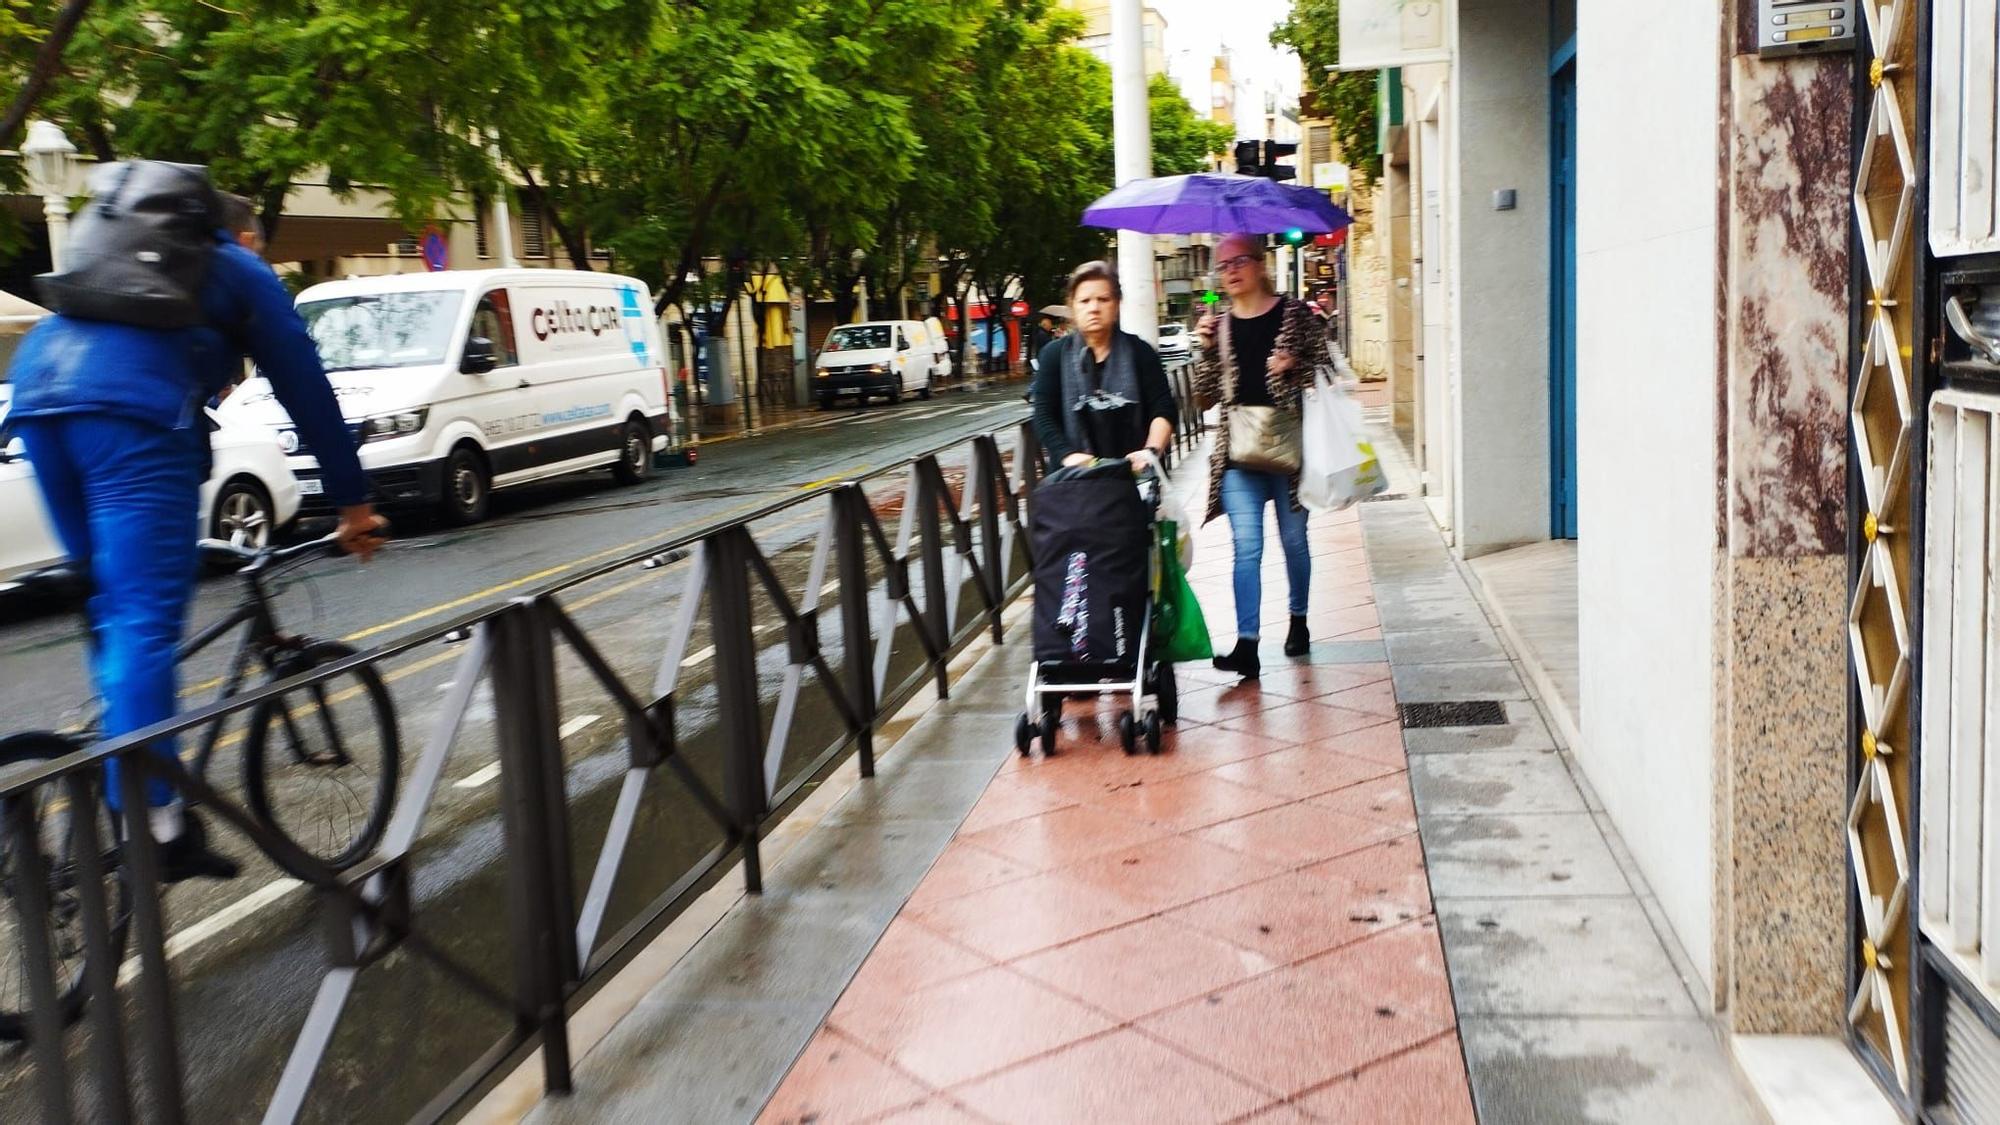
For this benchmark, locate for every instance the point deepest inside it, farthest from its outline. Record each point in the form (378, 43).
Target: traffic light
(1210, 296)
(1294, 236)
(1248, 162)
(1274, 170)
(1260, 158)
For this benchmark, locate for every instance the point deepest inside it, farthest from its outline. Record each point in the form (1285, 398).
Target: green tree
(1347, 98)
(1182, 141)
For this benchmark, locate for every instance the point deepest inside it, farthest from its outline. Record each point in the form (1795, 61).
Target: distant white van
(889, 358)
(457, 383)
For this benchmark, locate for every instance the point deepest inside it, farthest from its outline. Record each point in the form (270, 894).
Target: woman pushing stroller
(1101, 391)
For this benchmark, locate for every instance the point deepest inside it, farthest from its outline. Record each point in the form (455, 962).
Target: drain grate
(1457, 713)
(1381, 496)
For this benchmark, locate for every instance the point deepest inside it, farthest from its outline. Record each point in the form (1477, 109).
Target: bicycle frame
(260, 640)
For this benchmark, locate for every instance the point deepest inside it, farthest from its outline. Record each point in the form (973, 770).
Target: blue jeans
(1244, 494)
(124, 496)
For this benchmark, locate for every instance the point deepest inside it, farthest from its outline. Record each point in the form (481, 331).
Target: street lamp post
(47, 154)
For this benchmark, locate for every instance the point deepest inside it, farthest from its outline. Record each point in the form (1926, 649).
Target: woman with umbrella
(1100, 391)
(1269, 346)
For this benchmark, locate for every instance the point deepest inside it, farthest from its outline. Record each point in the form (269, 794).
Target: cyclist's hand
(1076, 459)
(360, 531)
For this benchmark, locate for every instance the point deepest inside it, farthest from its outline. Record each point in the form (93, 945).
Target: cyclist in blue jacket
(111, 415)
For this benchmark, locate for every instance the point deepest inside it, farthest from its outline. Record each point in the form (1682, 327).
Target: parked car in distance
(889, 358)
(460, 382)
(250, 495)
(1175, 342)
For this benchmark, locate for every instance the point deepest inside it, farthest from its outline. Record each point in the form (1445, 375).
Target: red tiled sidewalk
(1238, 929)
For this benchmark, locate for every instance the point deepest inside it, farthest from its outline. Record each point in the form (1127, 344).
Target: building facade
(1713, 325)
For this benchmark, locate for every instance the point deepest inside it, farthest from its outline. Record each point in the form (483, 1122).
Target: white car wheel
(243, 515)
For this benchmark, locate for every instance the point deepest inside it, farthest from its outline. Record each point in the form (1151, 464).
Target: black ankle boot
(1298, 642)
(1242, 661)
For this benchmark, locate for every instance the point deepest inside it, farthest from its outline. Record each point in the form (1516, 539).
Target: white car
(1174, 342)
(250, 494)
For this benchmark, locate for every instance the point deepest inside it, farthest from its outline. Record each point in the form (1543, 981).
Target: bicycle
(296, 755)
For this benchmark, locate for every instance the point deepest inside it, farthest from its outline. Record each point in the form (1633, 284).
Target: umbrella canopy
(1215, 203)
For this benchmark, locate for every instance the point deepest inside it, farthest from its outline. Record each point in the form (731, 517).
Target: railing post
(100, 965)
(736, 692)
(991, 487)
(159, 1040)
(931, 527)
(38, 964)
(536, 826)
(850, 506)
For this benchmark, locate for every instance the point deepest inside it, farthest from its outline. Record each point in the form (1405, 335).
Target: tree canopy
(1348, 99)
(787, 133)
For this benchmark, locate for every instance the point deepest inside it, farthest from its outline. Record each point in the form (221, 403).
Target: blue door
(1562, 294)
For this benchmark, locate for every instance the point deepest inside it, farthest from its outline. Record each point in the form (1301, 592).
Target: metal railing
(897, 605)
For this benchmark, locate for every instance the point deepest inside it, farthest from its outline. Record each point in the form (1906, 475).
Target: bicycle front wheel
(320, 761)
(61, 875)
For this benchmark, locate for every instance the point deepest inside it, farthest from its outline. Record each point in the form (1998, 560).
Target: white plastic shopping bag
(1331, 445)
(1172, 508)
(1365, 478)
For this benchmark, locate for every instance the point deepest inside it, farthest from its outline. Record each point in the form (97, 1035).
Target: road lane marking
(186, 938)
(487, 773)
(699, 657)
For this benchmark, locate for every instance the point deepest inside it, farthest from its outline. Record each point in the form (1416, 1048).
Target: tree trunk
(48, 59)
(569, 235)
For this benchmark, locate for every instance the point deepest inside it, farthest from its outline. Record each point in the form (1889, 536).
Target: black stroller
(1096, 569)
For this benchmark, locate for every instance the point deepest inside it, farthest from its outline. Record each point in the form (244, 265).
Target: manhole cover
(1458, 713)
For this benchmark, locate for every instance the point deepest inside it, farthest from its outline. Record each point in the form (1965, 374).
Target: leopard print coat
(1301, 335)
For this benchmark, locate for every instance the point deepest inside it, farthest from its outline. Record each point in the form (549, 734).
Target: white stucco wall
(1647, 137)
(1500, 342)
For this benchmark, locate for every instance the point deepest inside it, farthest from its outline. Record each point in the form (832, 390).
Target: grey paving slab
(861, 859)
(754, 954)
(1435, 683)
(1534, 781)
(687, 1064)
(1558, 957)
(1444, 646)
(936, 791)
(1509, 856)
(967, 733)
(1523, 730)
(1602, 1072)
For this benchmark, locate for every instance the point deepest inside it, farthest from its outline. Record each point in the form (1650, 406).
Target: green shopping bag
(1177, 620)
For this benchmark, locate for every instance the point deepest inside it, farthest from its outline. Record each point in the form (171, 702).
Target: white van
(890, 358)
(460, 382)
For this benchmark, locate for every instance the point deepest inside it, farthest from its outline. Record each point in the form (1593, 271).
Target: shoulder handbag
(1264, 438)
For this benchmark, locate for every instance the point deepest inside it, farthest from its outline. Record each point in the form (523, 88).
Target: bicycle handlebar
(265, 558)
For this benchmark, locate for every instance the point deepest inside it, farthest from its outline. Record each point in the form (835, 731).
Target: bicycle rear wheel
(60, 873)
(320, 762)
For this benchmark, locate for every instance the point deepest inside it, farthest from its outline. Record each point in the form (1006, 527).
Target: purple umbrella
(1216, 203)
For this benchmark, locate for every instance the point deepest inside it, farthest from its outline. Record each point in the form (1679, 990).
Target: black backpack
(139, 252)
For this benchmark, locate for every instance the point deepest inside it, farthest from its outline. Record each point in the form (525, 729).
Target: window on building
(407, 244)
(1319, 145)
(479, 233)
(534, 229)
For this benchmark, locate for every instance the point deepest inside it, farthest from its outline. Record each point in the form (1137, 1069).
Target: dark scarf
(1119, 377)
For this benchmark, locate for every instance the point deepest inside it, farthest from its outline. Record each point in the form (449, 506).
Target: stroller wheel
(1128, 733)
(1167, 694)
(1153, 733)
(1050, 721)
(1024, 733)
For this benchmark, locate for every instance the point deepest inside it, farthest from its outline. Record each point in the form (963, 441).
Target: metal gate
(1924, 621)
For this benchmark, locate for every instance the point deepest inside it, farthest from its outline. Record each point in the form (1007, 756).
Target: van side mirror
(902, 345)
(480, 357)
(13, 449)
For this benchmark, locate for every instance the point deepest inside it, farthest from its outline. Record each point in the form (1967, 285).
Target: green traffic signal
(1295, 236)
(1210, 297)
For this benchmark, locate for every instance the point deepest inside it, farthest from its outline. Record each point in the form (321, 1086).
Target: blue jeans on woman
(1244, 494)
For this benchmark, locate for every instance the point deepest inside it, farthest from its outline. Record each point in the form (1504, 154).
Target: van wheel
(468, 486)
(826, 402)
(896, 392)
(635, 451)
(925, 391)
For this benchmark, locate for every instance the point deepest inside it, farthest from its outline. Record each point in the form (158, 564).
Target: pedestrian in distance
(1259, 354)
(1094, 365)
(108, 396)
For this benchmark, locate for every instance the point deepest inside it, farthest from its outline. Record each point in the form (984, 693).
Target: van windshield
(383, 329)
(858, 337)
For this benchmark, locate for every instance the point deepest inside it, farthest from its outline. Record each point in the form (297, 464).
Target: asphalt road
(248, 954)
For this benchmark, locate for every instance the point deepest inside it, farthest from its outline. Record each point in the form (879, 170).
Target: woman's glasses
(1238, 262)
